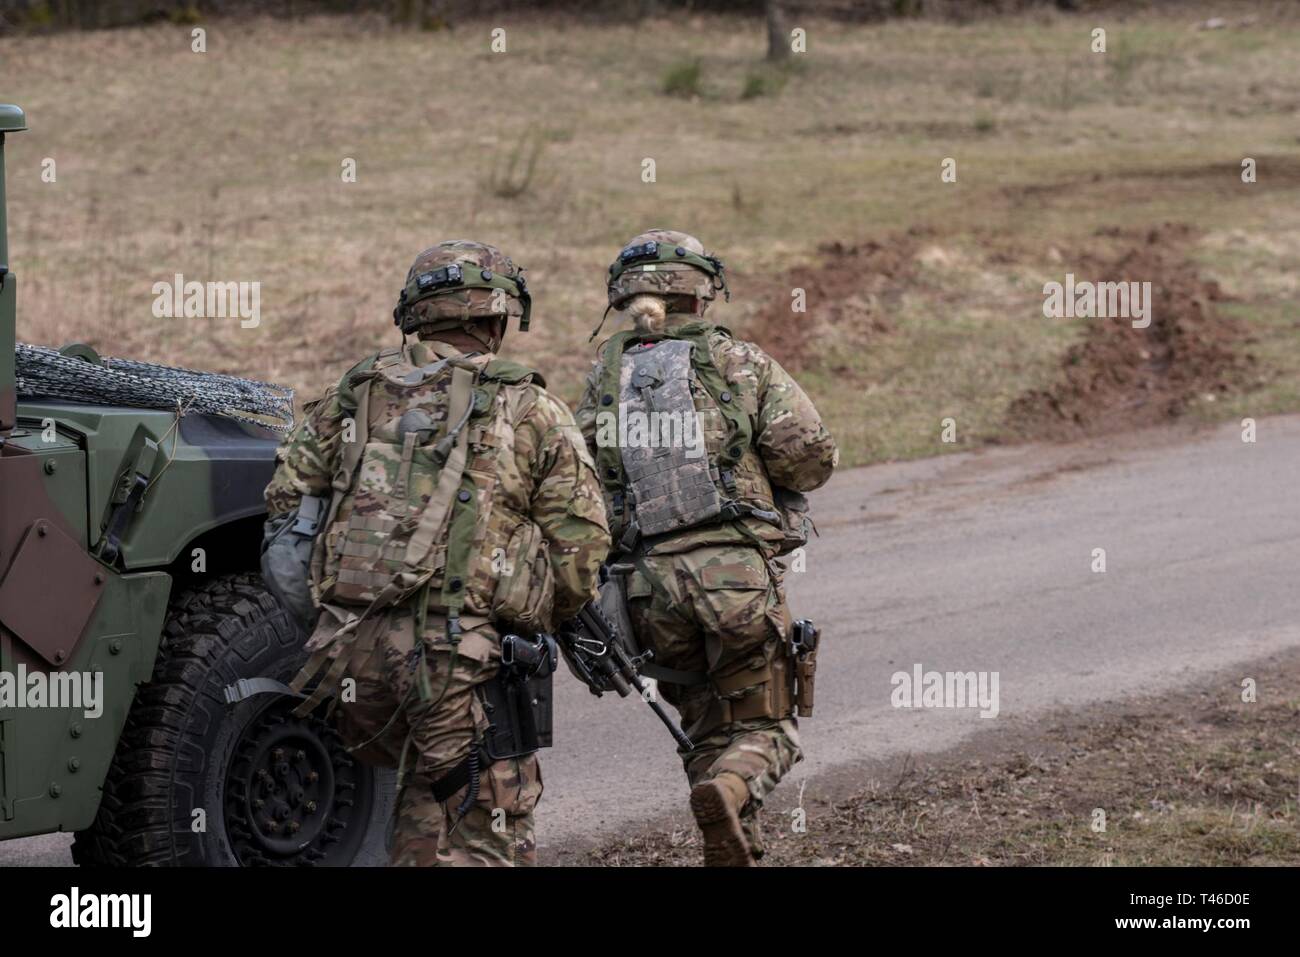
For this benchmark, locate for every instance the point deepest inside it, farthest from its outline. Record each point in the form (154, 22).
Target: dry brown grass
(1190, 778)
(226, 166)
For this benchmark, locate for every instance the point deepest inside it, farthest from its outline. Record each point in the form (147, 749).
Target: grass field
(226, 165)
(1195, 777)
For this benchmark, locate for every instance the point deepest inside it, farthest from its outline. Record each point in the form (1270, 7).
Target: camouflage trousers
(497, 830)
(721, 611)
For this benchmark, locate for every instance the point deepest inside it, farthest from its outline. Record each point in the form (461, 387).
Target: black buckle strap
(630, 539)
(310, 510)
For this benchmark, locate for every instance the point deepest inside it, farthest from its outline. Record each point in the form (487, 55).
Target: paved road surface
(983, 562)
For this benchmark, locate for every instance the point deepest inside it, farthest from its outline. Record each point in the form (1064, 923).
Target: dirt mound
(846, 295)
(1121, 377)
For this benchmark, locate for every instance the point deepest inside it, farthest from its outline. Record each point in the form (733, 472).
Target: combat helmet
(459, 282)
(665, 262)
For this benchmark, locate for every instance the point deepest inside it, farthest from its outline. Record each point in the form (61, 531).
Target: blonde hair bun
(648, 313)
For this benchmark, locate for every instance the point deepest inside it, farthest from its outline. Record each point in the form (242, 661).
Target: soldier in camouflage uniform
(421, 663)
(706, 596)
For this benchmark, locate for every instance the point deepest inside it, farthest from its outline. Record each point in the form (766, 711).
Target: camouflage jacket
(530, 462)
(790, 448)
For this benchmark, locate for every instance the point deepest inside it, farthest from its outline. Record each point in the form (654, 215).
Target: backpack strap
(364, 371)
(512, 373)
(464, 512)
(740, 431)
(454, 445)
(609, 460)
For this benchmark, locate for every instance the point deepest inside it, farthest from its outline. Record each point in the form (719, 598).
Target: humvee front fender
(53, 760)
(208, 472)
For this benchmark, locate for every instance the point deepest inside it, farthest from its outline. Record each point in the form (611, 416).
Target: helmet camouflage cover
(460, 281)
(664, 262)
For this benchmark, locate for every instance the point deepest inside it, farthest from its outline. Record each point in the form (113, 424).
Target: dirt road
(983, 562)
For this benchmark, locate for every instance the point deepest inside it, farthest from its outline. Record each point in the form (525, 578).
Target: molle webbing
(381, 559)
(355, 637)
(460, 533)
(672, 490)
(609, 459)
(450, 478)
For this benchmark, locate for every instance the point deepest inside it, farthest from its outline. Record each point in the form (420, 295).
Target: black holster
(519, 700)
(519, 722)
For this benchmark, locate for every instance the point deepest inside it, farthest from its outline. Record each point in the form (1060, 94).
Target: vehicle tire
(197, 783)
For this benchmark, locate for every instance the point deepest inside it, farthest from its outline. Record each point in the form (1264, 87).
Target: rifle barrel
(678, 734)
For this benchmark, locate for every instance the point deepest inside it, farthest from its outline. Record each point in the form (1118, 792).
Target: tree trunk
(406, 13)
(778, 37)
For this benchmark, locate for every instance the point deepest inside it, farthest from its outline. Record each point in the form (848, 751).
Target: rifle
(597, 655)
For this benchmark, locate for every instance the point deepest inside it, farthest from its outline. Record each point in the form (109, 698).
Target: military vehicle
(129, 549)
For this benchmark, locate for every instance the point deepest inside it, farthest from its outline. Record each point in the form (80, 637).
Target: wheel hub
(294, 796)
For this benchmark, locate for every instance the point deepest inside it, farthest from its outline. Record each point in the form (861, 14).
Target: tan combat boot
(716, 805)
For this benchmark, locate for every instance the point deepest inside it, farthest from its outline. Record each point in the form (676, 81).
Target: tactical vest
(674, 487)
(427, 495)
(657, 488)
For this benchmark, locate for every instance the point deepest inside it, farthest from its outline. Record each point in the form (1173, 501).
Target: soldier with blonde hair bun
(696, 535)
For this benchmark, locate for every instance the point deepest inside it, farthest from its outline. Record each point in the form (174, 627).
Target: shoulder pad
(360, 371)
(698, 327)
(504, 370)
